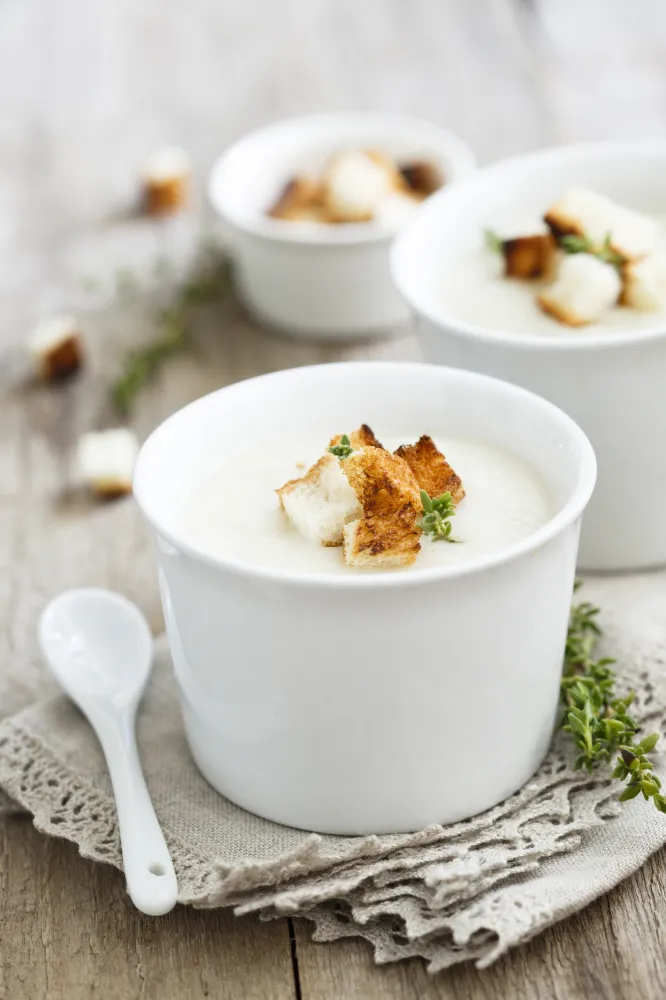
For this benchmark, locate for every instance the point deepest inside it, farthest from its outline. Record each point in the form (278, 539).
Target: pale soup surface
(235, 513)
(471, 287)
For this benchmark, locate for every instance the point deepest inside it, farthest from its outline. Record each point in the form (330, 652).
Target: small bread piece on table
(321, 502)
(431, 470)
(388, 533)
(362, 438)
(422, 177)
(105, 461)
(165, 179)
(299, 201)
(56, 348)
(585, 288)
(530, 256)
(354, 184)
(644, 283)
(585, 213)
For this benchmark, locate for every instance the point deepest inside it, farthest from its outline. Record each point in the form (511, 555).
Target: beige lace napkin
(471, 890)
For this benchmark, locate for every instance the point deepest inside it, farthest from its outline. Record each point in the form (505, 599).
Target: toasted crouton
(585, 288)
(299, 201)
(422, 177)
(585, 213)
(354, 184)
(166, 180)
(361, 438)
(105, 461)
(644, 283)
(55, 346)
(530, 256)
(387, 534)
(321, 502)
(431, 470)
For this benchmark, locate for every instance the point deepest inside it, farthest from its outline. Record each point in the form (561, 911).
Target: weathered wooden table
(87, 89)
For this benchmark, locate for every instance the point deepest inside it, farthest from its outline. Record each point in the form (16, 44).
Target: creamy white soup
(235, 512)
(472, 288)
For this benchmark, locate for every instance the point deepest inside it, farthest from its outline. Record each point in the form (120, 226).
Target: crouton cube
(105, 461)
(422, 177)
(321, 502)
(644, 283)
(585, 213)
(530, 256)
(387, 534)
(56, 348)
(299, 201)
(585, 288)
(355, 182)
(362, 438)
(165, 178)
(431, 470)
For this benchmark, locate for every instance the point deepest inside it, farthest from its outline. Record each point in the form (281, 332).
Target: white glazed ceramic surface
(612, 384)
(99, 646)
(324, 282)
(368, 702)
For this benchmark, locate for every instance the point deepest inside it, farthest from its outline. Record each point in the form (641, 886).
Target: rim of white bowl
(565, 516)
(461, 163)
(503, 337)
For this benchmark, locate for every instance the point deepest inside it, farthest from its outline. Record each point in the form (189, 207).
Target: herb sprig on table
(597, 719)
(437, 512)
(208, 282)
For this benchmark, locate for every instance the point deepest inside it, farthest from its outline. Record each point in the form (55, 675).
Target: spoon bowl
(98, 644)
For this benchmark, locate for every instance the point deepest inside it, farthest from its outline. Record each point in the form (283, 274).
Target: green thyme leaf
(342, 450)
(597, 720)
(573, 243)
(208, 282)
(437, 512)
(494, 242)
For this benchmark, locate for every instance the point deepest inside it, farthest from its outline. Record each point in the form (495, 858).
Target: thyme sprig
(494, 241)
(598, 720)
(437, 512)
(342, 450)
(572, 243)
(209, 282)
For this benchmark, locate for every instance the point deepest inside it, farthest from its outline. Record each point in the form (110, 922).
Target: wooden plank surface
(87, 89)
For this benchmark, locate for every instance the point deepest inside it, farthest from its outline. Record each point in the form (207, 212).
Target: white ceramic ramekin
(368, 702)
(319, 282)
(612, 384)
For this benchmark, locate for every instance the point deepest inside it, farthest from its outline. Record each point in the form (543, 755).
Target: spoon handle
(149, 872)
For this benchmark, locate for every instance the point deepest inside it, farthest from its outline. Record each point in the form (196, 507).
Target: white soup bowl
(373, 702)
(318, 281)
(612, 383)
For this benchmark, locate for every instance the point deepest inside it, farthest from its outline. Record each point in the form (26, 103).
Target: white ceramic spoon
(99, 646)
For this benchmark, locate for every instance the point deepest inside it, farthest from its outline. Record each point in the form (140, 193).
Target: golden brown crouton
(422, 177)
(361, 438)
(585, 289)
(560, 312)
(105, 461)
(56, 348)
(388, 533)
(299, 201)
(321, 502)
(165, 179)
(581, 212)
(431, 470)
(530, 256)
